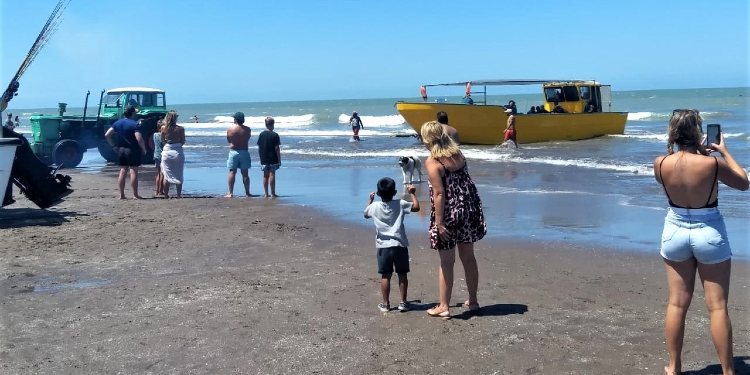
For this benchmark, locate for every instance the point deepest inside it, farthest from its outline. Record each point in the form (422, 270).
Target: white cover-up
(173, 162)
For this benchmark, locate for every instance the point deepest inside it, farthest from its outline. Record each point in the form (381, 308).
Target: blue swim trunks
(695, 233)
(238, 159)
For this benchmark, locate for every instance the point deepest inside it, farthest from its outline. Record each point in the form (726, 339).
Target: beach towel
(173, 162)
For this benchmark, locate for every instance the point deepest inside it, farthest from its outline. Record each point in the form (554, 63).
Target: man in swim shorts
(238, 136)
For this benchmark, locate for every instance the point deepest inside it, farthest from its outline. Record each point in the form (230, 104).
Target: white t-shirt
(389, 222)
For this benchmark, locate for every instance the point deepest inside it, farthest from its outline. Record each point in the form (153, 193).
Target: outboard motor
(40, 183)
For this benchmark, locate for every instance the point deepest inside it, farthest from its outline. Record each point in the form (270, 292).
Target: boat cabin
(577, 96)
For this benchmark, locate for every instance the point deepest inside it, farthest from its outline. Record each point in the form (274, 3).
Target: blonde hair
(169, 126)
(685, 129)
(439, 143)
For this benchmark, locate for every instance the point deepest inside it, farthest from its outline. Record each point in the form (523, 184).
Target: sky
(243, 51)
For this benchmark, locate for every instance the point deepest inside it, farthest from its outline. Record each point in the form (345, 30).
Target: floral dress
(462, 216)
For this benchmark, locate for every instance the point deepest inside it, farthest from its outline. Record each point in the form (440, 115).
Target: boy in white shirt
(390, 241)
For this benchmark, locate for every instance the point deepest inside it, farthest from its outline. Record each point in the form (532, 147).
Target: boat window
(571, 93)
(554, 94)
(585, 92)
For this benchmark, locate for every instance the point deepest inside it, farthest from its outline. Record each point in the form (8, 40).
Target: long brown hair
(685, 129)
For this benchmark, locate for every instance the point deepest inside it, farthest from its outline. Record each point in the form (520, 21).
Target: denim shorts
(238, 159)
(697, 233)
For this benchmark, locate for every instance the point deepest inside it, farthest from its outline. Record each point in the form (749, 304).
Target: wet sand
(210, 285)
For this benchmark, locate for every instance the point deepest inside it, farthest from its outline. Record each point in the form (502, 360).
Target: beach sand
(257, 286)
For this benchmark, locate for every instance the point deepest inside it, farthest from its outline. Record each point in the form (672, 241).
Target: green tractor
(61, 140)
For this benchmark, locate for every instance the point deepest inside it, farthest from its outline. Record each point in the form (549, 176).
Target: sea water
(597, 192)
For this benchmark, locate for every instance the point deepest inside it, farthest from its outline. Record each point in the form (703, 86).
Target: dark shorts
(128, 157)
(388, 257)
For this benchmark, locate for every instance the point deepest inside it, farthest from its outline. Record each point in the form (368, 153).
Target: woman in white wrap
(172, 156)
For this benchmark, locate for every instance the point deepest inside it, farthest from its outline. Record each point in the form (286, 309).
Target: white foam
(280, 121)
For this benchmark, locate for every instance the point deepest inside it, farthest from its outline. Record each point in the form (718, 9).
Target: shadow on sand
(29, 217)
(741, 366)
(498, 309)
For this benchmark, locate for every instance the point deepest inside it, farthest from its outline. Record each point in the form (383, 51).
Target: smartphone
(712, 134)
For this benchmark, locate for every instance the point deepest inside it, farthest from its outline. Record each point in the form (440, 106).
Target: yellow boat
(585, 104)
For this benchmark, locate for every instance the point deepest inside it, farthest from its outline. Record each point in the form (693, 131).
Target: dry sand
(256, 286)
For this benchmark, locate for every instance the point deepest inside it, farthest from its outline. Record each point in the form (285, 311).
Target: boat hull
(484, 124)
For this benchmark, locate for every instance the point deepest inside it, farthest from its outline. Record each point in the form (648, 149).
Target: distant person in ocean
(694, 235)
(195, 118)
(16, 122)
(442, 119)
(269, 151)
(172, 156)
(238, 136)
(509, 134)
(157, 146)
(8, 124)
(126, 140)
(456, 218)
(356, 124)
(468, 100)
(390, 238)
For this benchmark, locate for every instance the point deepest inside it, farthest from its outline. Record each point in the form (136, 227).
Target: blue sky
(236, 51)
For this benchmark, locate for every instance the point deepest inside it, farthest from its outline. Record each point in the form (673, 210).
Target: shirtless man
(238, 136)
(442, 119)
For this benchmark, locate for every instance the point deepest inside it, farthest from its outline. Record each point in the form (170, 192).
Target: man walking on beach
(442, 119)
(126, 140)
(238, 136)
(269, 150)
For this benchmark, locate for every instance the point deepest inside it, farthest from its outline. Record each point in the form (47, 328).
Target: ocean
(593, 193)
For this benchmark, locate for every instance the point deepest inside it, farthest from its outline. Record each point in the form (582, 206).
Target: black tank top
(708, 204)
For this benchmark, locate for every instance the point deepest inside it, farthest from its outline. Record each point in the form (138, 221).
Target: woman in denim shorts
(694, 235)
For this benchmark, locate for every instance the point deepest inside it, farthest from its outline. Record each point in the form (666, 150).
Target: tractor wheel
(106, 151)
(67, 153)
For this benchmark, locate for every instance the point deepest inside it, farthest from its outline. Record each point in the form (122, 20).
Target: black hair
(442, 117)
(386, 188)
(129, 111)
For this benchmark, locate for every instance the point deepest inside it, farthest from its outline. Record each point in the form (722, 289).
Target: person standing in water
(238, 137)
(356, 124)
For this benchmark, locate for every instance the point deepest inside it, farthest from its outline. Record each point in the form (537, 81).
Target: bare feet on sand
(229, 195)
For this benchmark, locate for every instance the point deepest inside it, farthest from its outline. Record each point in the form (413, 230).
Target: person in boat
(531, 110)
(16, 123)
(512, 106)
(442, 119)
(590, 107)
(8, 124)
(468, 99)
(356, 124)
(509, 134)
(558, 108)
(540, 109)
(456, 217)
(694, 235)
